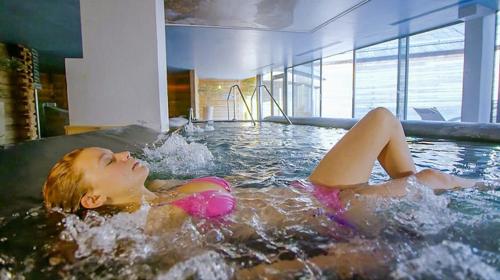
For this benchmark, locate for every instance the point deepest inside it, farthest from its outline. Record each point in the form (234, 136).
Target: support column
(402, 91)
(121, 79)
(259, 97)
(479, 58)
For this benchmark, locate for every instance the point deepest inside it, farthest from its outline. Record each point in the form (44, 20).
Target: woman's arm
(345, 259)
(436, 180)
(440, 181)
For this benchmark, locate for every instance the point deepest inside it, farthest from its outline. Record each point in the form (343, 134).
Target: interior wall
(179, 93)
(214, 93)
(122, 77)
(54, 89)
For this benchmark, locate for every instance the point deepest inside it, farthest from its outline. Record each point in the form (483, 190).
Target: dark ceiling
(52, 27)
(237, 38)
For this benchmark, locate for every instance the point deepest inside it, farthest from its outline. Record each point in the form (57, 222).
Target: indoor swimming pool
(277, 231)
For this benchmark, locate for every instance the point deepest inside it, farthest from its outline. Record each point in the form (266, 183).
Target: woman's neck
(140, 196)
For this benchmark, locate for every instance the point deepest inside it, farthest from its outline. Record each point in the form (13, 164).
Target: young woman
(95, 177)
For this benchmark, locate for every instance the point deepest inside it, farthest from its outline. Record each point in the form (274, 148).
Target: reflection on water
(423, 236)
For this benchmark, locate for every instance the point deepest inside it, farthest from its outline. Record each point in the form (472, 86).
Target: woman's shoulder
(164, 185)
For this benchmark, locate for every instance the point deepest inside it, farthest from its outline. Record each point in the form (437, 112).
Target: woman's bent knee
(381, 110)
(382, 115)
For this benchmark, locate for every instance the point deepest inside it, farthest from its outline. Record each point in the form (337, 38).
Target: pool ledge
(482, 132)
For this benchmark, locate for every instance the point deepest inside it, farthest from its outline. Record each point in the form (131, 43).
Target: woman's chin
(146, 170)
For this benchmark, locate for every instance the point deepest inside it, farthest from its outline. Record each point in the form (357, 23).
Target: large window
(376, 78)
(435, 74)
(277, 91)
(336, 99)
(419, 77)
(316, 112)
(265, 98)
(494, 101)
(289, 91)
(306, 90)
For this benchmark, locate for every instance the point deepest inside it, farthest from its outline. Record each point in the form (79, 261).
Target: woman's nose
(124, 156)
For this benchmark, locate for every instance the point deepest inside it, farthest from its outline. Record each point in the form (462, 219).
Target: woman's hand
(164, 218)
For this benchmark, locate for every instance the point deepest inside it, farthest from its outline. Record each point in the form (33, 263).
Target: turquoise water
(453, 235)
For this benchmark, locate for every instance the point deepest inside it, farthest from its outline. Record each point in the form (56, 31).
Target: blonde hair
(65, 186)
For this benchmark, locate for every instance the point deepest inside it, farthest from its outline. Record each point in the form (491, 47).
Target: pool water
(454, 235)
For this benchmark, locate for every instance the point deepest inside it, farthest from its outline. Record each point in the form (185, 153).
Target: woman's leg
(379, 135)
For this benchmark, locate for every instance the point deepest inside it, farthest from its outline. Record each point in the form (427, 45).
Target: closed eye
(111, 160)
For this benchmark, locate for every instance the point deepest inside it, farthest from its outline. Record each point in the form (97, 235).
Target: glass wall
(435, 74)
(428, 66)
(265, 98)
(306, 88)
(316, 98)
(376, 78)
(336, 98)
(278, 91)
(494, 101)
(289, 91)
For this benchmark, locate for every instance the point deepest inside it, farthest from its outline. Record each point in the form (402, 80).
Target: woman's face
(115, 176)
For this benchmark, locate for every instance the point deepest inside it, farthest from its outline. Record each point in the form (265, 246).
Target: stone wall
(17, 105)
(17, 100)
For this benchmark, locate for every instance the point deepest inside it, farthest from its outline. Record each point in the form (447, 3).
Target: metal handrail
(234, 103)
(251, 98)
(272, 97)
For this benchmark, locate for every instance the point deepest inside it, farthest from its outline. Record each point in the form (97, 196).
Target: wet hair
(65, 187)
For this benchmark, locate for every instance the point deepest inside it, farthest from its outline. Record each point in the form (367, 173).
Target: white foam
(191, 128)
(177, 122)
(177, 156)
(420, 210)
(448, 260)
(208, 265)
(102, 235)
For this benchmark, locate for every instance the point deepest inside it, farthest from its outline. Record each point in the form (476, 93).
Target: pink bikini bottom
(329, 197)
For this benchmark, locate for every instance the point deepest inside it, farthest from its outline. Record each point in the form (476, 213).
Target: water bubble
(209, 266)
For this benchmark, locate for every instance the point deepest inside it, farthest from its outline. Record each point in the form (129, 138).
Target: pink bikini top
(208, 204)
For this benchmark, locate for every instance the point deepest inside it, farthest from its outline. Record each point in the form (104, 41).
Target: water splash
(177, 156)
(102, 235)
(208, 265)
(447, 260)
(191, 128)
(420, 210)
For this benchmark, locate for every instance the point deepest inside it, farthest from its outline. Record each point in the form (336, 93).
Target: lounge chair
(432, 114)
